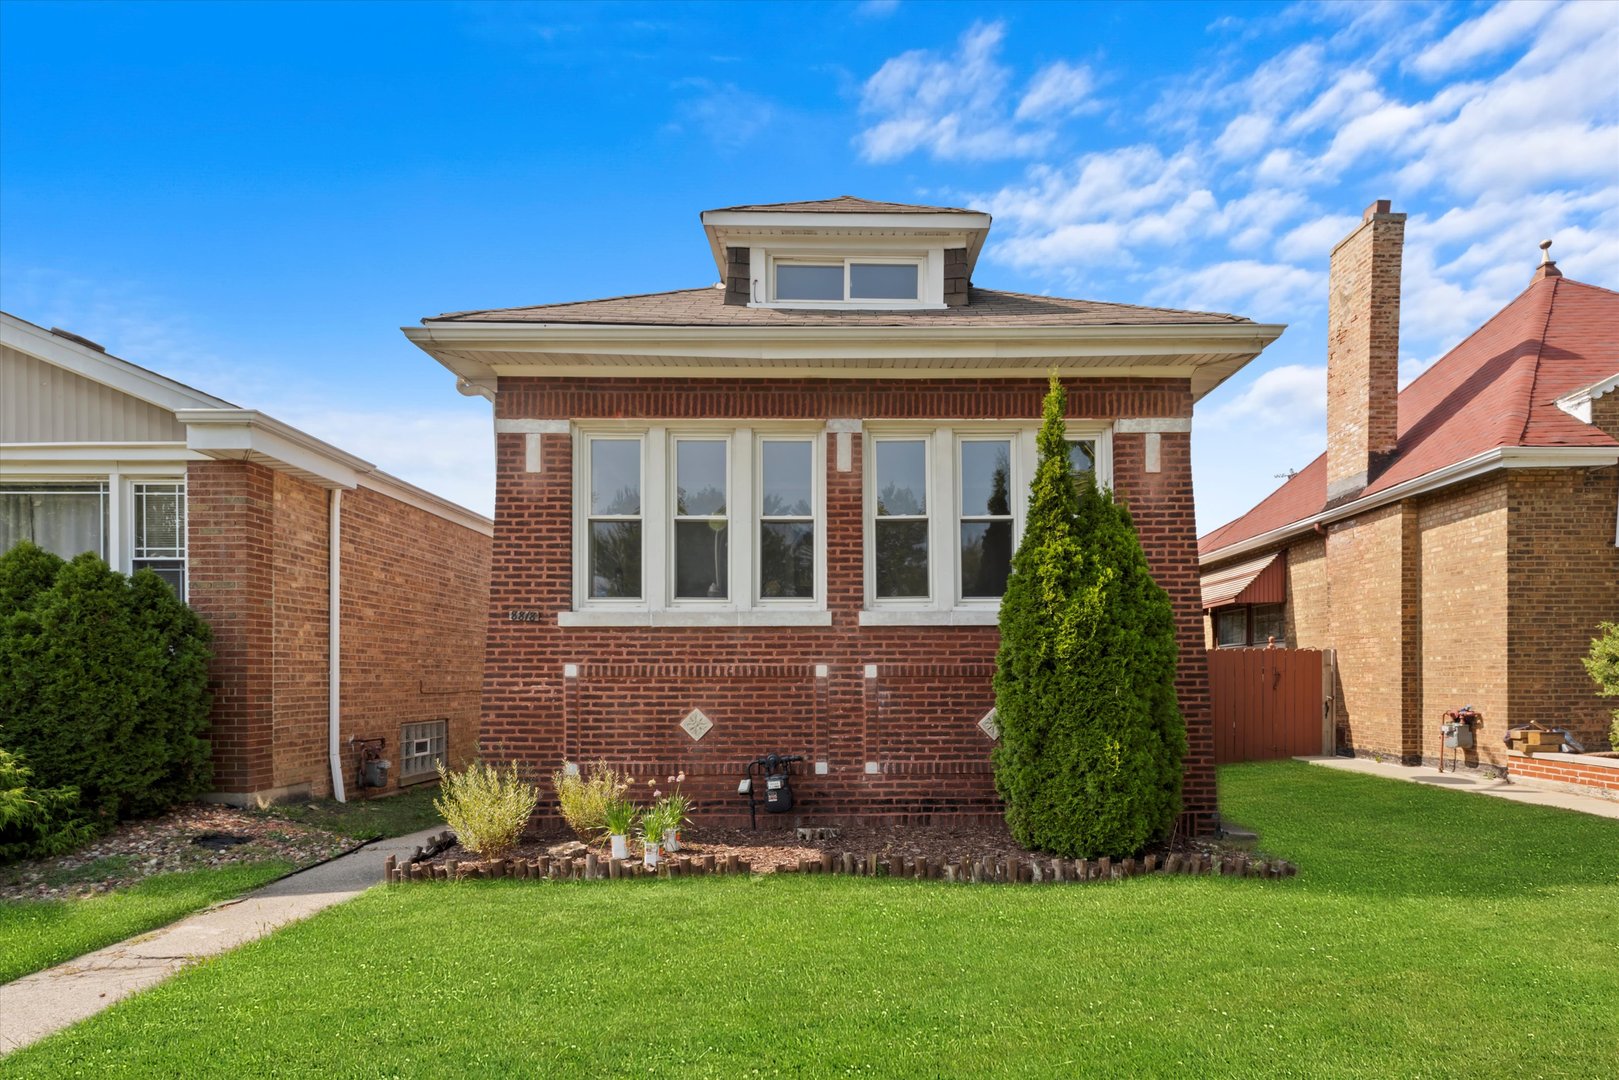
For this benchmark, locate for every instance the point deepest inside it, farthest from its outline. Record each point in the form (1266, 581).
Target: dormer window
(841, 281)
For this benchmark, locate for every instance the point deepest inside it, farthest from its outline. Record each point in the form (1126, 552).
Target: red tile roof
(707, 307)
(1498, 388)
(843, 204)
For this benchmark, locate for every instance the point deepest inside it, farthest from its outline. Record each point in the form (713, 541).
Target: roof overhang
(101, 367)
(744, 228)
(480, 354)
(1256, 581)
(1502, 457)
(1577, 403)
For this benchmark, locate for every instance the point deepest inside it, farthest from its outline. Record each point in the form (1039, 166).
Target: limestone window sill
(754, 617)
(953, 617)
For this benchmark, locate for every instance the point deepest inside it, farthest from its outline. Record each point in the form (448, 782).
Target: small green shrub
(585, 801)
(654, 823)
(1603, 664)
(36, 822)
(488, 808)
(1092, 738)
(103, 684)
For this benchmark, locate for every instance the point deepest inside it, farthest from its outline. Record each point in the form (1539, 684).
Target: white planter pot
(621, 846)
(671, 840)
(651, 856)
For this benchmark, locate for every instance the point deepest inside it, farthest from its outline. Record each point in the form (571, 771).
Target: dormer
(846, 254)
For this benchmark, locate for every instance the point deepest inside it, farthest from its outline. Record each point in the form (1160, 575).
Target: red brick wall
(1581, 770)
(230, 537)
(415, 600)
(415, 594)
(917, 719)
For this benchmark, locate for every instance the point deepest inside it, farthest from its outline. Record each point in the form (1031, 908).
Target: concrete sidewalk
(36, 1005)
(1523, 791)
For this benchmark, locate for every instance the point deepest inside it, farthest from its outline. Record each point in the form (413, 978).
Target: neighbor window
(160, 532)
(1254, 625)
(1231, 627)
(422, 747)
(1268, 623)
(734, 523)
(842, 280)
(65, 519)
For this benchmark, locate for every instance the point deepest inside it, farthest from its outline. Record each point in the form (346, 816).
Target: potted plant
(653, 823)
(676, 810)
(619, 817)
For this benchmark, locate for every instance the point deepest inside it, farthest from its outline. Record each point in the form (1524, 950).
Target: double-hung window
(727, 526)
(985, 512)
(899, 531)
(134, 524)
(160, 532)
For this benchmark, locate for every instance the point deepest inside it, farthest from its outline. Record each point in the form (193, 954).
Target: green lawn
(1429, 933)
(367, 819)
(36, 934)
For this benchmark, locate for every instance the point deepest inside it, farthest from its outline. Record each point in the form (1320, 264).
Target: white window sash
(817, 520)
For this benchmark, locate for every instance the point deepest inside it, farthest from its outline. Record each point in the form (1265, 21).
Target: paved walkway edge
(1521, 791)
(36, 1005)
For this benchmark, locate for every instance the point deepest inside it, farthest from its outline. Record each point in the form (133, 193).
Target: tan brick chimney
(1363, 352)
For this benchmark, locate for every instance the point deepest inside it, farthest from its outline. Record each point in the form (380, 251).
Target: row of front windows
(135, 525)
(696, 519)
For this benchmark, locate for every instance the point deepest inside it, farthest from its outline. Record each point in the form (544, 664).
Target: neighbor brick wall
(1371, 630)
(1579, 770)
(415, 595)
(230, 536)
(1309, 618)
(1465, 630)
(415, 603)
(1564, 581)
(917, 719)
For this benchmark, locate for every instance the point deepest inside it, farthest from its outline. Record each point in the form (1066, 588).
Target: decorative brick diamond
(988, 725)
(696, 724)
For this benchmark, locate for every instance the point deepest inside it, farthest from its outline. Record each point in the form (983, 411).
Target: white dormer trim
(763, 261)
(1577, 403)
(744, 228)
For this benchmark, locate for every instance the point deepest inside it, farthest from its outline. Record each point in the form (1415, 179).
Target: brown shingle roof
(707, 307)
(843, 204)
(1498, 388)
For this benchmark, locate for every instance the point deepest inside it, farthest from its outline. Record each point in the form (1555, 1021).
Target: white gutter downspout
(334, 641)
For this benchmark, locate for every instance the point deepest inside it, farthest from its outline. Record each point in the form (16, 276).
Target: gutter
(1502, 457)
(334, 641)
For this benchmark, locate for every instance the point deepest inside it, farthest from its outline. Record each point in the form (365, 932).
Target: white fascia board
(1506, 457)
(103, 368)
(1577, 403)
(411, 495)
(12, 454)
(246, 434)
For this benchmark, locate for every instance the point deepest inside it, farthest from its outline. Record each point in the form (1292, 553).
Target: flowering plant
(619, 815)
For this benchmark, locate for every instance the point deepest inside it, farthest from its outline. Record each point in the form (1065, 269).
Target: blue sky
(252, 198)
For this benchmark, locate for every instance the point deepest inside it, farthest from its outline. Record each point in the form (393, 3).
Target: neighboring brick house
(241, 514)
(776, 513)
(1456, 542)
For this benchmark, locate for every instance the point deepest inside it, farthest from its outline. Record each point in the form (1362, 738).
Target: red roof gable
(1497, 388)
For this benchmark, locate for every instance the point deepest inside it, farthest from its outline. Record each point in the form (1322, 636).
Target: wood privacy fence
(1271, 703)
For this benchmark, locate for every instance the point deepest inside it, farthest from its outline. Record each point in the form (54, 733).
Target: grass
(1429, 933)
(37, 934)
(367, 819)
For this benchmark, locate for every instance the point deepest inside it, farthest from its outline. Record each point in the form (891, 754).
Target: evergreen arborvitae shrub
(36, 822)
(1603, 664)
(104, 687)
(1092, 739)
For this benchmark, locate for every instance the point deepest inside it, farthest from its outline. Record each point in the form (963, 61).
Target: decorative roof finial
(1547, 267)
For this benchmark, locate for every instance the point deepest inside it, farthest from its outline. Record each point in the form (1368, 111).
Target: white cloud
(1290, 396)
(1269, 292)
(959, 107)
(1498, 29)
(1244, 135)
(875, 9)
(724, 113)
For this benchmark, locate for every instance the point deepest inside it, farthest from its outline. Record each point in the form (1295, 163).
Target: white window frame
(817, 519)
(658, 605)
(945, 605)
(923, 261)
(118, 506)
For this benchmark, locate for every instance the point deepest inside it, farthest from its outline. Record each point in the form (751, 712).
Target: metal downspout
(334, 641)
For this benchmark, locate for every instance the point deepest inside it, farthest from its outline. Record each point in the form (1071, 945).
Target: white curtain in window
(64, 519)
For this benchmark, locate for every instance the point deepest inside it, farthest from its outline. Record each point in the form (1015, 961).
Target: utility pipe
(334, 640)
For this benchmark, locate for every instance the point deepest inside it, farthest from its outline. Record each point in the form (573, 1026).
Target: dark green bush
(104, 686)
(1603, 664)
(1092, 739)
(34, 821)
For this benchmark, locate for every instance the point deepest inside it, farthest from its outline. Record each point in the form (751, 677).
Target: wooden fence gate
(1271, 703)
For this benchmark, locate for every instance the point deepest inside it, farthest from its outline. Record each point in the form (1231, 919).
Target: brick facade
(1486, 593)
(415, 590)
(915, 719)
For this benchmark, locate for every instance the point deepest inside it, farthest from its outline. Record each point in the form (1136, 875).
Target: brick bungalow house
(1456, 542)
(259, 526)
(776, 513)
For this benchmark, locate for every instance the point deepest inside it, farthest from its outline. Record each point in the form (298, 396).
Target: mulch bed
(140, 849)
(894, 849)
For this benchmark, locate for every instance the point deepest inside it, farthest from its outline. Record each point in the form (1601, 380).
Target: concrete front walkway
(1523, 791)
(36, 1005)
